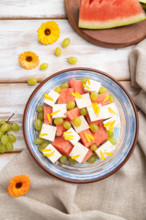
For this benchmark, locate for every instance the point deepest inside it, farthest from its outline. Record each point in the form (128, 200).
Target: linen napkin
(121, 196)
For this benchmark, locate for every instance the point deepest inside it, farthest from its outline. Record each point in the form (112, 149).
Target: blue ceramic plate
(126, 135)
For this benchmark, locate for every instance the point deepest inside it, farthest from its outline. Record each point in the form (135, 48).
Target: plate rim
(25, 133)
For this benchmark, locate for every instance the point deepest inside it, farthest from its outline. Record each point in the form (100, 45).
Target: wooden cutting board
(111, 38)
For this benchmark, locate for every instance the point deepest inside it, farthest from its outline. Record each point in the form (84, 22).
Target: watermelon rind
(112, 23)
(142, 1)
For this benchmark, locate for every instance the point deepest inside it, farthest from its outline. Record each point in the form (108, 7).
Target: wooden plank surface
(17, 36)
(16, 9)
(13, 100)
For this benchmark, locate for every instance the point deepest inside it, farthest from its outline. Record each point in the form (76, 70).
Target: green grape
(43, 146)
(10, 127)
(58, 121)
(94, 96)
(38, 141)
(84, 80)
(102, 90)
(40, 115)
(63, 159)
(5, 127)
(58, 51)
(70, 105)
(110, 134)
(2, 122)
(64, 85)
(112, 140)
(92, 159)
(84, 111)
(15, 127)
(93, 147)
(94, 127)
(67, 125)
(77, 121)
(65, 42)
(57, 89)
(72, 60)
(12, 138)
(2, 148)
(40, 108)
(9, 146)
(38, 124)
(4, 139)
(111, 98)
(72, 161)
(1, 133)
(44, 66)
(32, 81)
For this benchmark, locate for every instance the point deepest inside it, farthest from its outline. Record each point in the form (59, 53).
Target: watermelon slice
(60, 129)
(84, 140)
(88, 155)
(47, 109)
(103, 14)
(100, 100)
(71, 114)
(66, 96)
(76, 85)
(100, 135)
(62, 145)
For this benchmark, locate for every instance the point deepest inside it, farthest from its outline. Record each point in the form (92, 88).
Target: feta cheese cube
(53, 154)
(116, 124)
(79, 152)
(62, 110)
(54, 95)
(84, 125)
(72, 132)
(92, 115)
(107, 147)
(93, 86)
(48, 132)
(84, 102)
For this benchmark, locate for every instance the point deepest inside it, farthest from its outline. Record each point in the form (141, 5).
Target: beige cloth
(122, 196)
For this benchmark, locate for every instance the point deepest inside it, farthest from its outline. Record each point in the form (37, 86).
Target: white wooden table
(18, 25)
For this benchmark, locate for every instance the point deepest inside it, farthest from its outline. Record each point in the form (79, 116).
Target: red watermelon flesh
(71, 114)
(100, 135)
(47, 110)
(101, 98)
(84, 140)
(62, 145)
(89, 121)
(88, 155)
(76, 85)
(60, 129)
(102, 14)
(66, 96)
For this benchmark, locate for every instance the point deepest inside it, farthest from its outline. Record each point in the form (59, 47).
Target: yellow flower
(28, 60)
(48, 33)
(19, 185)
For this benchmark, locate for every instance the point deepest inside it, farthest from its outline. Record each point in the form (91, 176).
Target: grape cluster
(7, 139)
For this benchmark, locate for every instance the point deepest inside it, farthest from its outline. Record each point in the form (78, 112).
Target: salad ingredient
(38, 124)
(111, 98)
(77, 121)
(76, 85)
(58, 121)
(112, 140)
(43, 146)
(66, 96)
(44, 66)
(57, 89)
(48, 32)
(51, 98)
(84, 80)
(64, 85)
(67, 125)
(66, 42)
(40, 115)
(38, 141)
(110, 134)
(84, 111)
(63, 159)
(105, 150)
(72, 161)
(83, 135)
(102, 90)
(28, 60)
(62, 145)
(94, 96)
(93, 147)
(72, 60)
(40, 108)
(92, 159)
(94, 127)
(70, 105)
(58, 51)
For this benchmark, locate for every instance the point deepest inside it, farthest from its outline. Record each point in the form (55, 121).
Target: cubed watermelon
(84, 140)
(71, 114)
(66, 96)
(88, 155)
(47, 110)
(62, 145)
(101, 98)
(76, 85)
(60, 129)
(89, 121)
(100, 135)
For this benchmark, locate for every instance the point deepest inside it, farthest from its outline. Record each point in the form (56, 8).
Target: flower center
(47, 32)
(28, 58)
(18, 185)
